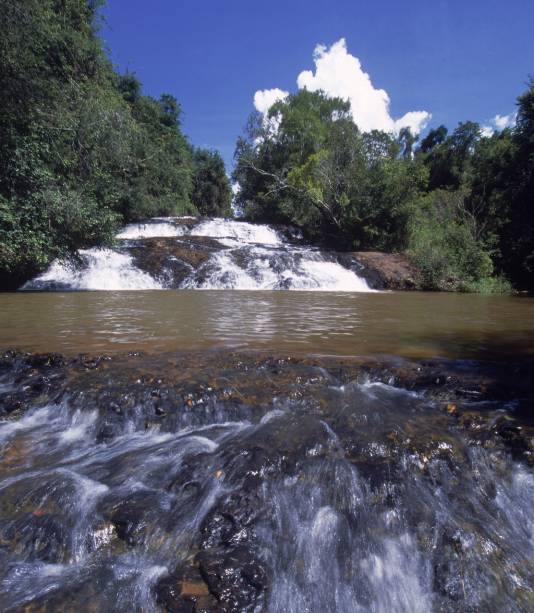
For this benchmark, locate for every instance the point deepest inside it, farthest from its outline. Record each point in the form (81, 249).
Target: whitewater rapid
(227, 482)
(243, 256)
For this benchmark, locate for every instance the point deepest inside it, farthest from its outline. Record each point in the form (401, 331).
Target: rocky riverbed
(228, 481)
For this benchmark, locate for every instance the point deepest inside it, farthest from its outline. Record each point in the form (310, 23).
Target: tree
(433, 138)
(517, 236)
(448, 159)
(407, 141)
(83, 149)
(211, 193)
(308, 164)
(443, 245)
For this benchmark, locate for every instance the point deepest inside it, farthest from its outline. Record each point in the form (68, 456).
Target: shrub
(442, 244)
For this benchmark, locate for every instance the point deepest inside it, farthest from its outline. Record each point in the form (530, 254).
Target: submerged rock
(228, 481)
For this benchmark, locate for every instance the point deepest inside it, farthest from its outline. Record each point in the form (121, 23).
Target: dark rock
(37, 536)
(171, 260)
(237, 579)
(135, 515)
(185, 591)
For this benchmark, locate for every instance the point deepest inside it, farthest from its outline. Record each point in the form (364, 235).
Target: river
(410, 324)
(186, 438)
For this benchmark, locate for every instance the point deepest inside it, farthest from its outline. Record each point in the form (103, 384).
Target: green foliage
(83, 149)
(308, 164)
(158, 173)
(448, 159)
(443, 245)
(211, 193)
(490, 285)
(496, 177)
(433, 138)
(461, 204)
(517, 235)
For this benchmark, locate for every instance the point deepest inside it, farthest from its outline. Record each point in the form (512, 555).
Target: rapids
(222, 482)
(241, 256)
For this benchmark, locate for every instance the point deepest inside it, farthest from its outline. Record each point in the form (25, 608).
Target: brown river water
(414, 325)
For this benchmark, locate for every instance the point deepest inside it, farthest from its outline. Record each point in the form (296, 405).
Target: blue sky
(456, 60)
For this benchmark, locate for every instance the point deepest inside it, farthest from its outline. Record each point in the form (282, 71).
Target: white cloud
(263, 101)
(340, 74)
(499, 123)
(415, 120)
(504, 121)
(265, 98)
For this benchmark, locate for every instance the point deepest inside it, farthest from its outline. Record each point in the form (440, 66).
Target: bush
(442, 244)
(490, 285)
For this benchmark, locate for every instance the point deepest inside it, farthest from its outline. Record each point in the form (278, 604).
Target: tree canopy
(460, 203)
(83, 149)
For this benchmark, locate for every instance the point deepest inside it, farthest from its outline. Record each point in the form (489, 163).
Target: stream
(339, 448)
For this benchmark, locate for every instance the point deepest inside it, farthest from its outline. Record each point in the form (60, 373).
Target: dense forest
(82, 149)
(461, 204)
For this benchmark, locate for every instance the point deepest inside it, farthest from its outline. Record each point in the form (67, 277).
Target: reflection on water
(409, 324)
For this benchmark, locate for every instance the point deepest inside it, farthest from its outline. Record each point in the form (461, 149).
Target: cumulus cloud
(265, 98)
(263, 101)
(504, 121)
(499, 123)
(340, 74)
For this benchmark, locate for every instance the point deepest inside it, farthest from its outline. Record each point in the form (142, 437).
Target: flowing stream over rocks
(187, 253)
(285, 476)
(221, 481)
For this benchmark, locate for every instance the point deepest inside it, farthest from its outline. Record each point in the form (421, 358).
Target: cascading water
(223, 483)
(102, 269)
(212, 254)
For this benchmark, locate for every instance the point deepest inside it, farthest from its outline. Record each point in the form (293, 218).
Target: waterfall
(102, 269)
(186, 253)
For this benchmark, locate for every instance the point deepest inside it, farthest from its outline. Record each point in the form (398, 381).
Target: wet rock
(242, 450)
(102, 536)
(171, 260)
(237, 579)
(135, 516)
(513, 436)
(45, 360)
(37, 536)
(232, 521)
(185, 591)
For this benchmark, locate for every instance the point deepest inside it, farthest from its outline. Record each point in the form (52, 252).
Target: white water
(105, 269)
(307, 273)
(334, 536)
(152, 230)
(251, 257)
(238, 232)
